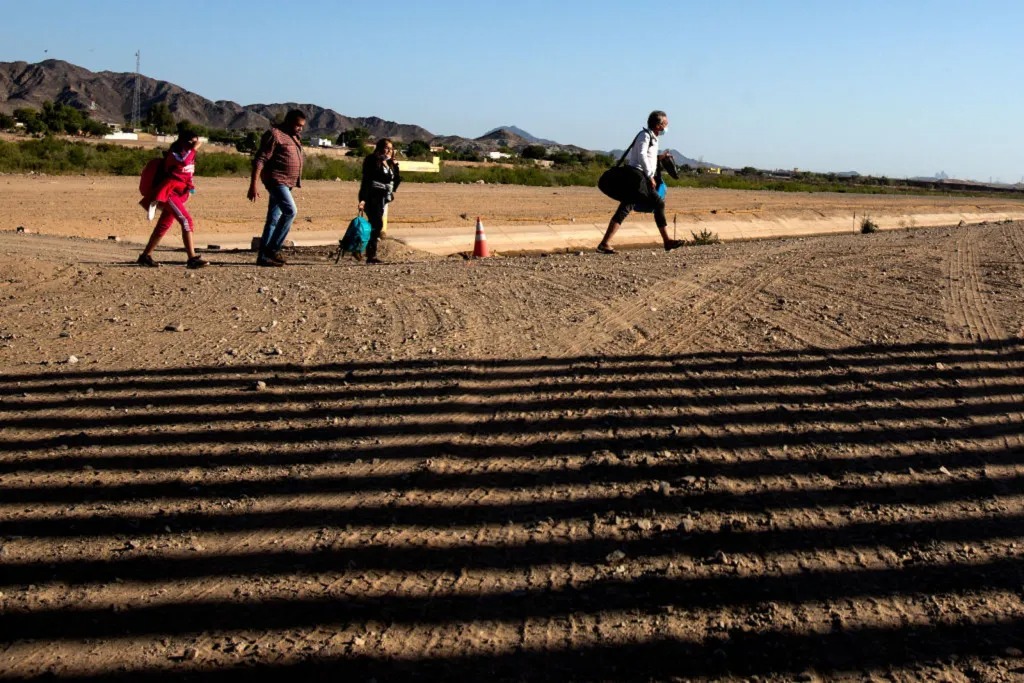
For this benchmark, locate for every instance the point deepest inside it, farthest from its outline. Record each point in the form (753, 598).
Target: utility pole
(136, 103)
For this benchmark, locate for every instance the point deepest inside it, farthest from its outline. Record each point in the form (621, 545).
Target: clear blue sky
(894, 87)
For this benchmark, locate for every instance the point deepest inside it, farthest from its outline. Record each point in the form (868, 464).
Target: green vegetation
(160, 118)
(705, 237)
(55, 155)
(54, 118)
(867, 225)
(418, 149)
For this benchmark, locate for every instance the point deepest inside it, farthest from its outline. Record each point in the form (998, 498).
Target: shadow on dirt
(866, 430)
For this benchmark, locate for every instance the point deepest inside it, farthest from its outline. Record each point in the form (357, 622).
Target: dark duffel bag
(622, 183)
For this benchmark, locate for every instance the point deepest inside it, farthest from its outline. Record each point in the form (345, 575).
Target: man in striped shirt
(278, 164)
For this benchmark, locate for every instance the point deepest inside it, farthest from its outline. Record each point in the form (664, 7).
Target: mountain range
(107, 96)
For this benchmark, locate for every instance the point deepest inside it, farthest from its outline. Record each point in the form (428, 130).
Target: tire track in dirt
(811, 329)
(718, 307)
(967, 314)
(602, 331)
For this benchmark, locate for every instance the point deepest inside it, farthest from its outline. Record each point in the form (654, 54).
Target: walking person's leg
(270, 225)
(287, 212)
(374, 214)
(620, 214)
(662, 223)
(176, 205)
(163, 224)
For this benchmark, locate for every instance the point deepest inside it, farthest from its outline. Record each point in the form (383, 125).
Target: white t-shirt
(644, 153)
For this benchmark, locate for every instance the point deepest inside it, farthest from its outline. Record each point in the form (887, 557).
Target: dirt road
(98, 206)
(787, 460)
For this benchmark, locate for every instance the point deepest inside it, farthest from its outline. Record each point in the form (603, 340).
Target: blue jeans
(280, 215)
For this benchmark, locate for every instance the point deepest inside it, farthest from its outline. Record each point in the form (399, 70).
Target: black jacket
(376, 175)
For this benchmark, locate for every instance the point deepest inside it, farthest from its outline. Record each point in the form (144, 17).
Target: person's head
(187, 139)
(657, 122)
(294, 122)
(384, 148)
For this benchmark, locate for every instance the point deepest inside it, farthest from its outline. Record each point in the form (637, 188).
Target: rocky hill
(107, 96)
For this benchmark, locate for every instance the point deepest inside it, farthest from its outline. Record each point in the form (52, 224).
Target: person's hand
(253, 194)
(653, 183)
(362, 205)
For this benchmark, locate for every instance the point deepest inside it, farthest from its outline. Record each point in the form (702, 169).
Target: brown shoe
(277, 256)
(268, 262)
(673, 244)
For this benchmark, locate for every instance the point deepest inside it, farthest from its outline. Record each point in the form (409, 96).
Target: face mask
(664, 131)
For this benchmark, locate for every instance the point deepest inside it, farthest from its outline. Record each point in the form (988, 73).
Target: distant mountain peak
(519, 133)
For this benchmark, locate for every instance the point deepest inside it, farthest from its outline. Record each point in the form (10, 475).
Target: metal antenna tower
(136, 104)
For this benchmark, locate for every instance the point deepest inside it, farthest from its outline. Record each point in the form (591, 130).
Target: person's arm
(648, 160)
(398, 176)
(364, 185)
(263, 155)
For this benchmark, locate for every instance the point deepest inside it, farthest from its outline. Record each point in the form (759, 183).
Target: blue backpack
(356, 237)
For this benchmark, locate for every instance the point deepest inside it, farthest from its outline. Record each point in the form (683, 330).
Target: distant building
(494, 156)
(121, 135)
(320, 142)
(167, 138)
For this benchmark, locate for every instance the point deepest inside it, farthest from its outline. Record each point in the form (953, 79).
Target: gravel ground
(788, 460)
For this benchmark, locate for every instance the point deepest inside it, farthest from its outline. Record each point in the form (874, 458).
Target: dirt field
(788, 460)
(98, 206)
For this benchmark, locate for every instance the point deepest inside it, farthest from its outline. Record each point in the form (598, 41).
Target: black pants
(647, 197)
(374, 214)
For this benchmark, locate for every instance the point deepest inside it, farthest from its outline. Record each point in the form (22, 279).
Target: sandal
(605, 249)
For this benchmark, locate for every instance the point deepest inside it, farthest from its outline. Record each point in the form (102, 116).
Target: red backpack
(149, 175)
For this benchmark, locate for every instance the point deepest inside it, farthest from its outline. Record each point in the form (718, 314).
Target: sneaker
(673, 244)
(196, 262)
(268, 262)
(147, 261)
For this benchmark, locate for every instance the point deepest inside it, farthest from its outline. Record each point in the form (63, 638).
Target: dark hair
(655, 117)
(185, 137)
(294, 115)
(379, 147)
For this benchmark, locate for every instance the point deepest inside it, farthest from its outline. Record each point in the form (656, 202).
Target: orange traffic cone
(480, 246)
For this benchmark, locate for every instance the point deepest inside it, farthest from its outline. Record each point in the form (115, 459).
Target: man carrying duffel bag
(633, 181)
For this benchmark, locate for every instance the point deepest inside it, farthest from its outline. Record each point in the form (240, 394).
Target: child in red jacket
(170, 190)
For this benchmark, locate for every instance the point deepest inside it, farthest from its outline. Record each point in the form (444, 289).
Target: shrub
(867, 225)
(705, 237)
